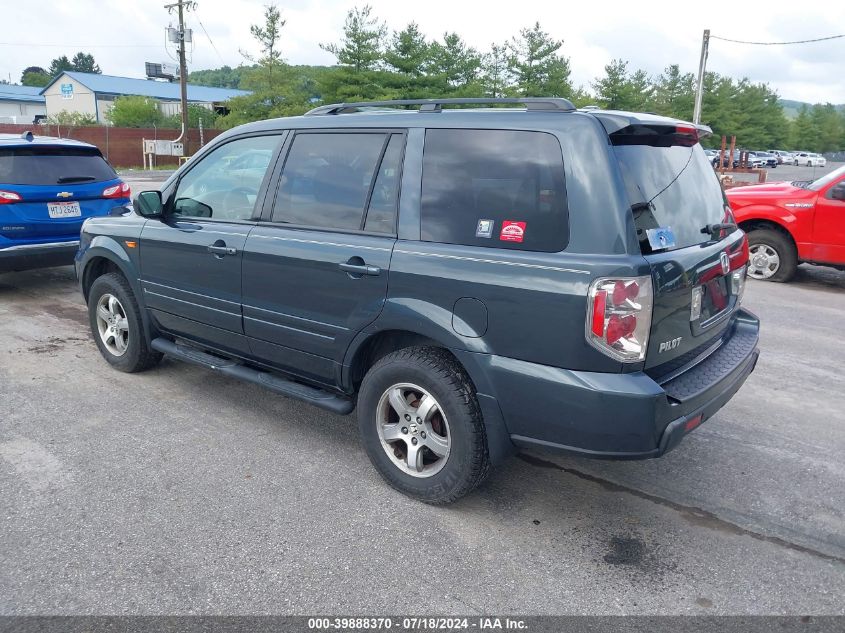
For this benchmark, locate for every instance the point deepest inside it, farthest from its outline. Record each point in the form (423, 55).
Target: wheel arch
(754, 224)
(369, 347)
(103, 257)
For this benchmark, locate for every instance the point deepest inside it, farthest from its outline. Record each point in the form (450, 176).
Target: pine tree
(538, 70)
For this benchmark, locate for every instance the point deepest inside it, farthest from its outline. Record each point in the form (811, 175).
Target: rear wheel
(772, 256)
(116, 325)
(421, 425)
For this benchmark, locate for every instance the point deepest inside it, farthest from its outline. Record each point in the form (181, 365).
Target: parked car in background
(441, 272)
(792, 222)
(768, 158)
(753, 160)
(48, 188)
(820, 161)
(808, 159)
(782, 155)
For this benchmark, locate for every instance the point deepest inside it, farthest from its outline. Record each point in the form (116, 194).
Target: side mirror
(148, 204)
(838, 192)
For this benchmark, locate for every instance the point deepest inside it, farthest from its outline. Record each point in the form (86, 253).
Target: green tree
(36, 79)
(454, 66)
(135, 111)
(408, 51)
(829, 125)
(674, 93)
(72, 119)
(805, 133)
(84, 63)
(270, 62)
(196, 113)
(59, 65)
(359, 53)
(614, 89)
(538, 70)
(495, 78)
(360, 48)
(223, 77)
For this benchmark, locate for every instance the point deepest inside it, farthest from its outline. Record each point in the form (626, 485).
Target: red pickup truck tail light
(619, 317)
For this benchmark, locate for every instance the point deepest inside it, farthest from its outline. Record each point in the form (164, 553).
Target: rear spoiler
(630, 124)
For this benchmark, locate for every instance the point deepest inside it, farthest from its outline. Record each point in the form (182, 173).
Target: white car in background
(809, 159)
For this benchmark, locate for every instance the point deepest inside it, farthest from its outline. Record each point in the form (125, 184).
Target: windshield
(682, 188)
(827, 179)
(52, 166)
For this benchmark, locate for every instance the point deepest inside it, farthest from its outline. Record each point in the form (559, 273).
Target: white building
(94, 94)
(21, 104)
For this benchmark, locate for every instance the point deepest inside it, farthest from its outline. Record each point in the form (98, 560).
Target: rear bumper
(44, 255)
(620, 416)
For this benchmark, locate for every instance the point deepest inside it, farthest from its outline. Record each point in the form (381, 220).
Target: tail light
(739, 266)
(619, 317)
(120, 190)
(8, 197)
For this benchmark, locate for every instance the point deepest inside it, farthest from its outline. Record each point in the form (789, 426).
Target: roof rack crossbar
(547, 104)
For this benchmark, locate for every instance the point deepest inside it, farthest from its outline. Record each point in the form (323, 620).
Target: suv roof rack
(545, 104)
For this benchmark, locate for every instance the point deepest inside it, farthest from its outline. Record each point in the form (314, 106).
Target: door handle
(360, 269)
(215, 249)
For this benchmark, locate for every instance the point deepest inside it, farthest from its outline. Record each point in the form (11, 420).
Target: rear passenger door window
(494, 188)
(341, 181)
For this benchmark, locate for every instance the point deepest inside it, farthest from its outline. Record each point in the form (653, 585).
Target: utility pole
(699, 89)
(181, 6)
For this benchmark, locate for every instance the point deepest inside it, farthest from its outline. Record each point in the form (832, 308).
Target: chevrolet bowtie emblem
(64, 194)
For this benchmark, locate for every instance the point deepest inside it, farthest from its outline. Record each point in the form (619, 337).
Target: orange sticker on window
(512, 231)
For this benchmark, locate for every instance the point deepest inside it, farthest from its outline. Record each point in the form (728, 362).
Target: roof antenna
(27, 136)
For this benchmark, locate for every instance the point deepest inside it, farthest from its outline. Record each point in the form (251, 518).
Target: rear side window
(494, 188)
(330, 179)
(53, 166)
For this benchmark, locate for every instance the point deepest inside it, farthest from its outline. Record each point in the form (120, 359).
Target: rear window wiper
(713, 229)
(67, 179)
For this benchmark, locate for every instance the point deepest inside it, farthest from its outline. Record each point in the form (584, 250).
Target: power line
(818, 39)
(79, 45)
(210, 41)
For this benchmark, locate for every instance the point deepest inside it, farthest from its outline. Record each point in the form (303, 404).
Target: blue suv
(48, 187)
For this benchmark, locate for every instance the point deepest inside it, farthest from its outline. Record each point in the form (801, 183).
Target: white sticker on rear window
(660, 238)
(485, 228)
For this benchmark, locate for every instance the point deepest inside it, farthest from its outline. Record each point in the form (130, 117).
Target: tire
(772, 256)
(451, 444)
(116, 325)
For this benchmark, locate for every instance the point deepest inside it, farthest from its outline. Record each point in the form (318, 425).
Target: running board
(319, 398)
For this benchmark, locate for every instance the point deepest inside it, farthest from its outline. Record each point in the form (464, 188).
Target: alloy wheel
(413, 430)
(112, 324)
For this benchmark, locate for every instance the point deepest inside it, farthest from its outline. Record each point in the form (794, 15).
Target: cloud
(651, 37)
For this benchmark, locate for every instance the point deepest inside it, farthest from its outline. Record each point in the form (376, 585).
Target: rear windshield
(671, 188)
(52, 166)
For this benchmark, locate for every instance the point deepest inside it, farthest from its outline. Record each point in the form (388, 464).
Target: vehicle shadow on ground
(820, 277)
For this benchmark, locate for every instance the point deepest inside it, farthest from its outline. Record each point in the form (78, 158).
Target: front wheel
(421, 425)
(116, 325)
(772, 256)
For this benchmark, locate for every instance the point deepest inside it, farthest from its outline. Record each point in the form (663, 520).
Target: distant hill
(791, 108)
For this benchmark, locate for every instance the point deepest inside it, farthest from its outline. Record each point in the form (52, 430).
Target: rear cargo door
(676, 200)
(59, 187)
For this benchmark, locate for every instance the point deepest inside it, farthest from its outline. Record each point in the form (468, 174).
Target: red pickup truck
(792, 222)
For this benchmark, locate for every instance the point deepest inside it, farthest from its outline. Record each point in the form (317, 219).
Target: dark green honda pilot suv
(472, 280)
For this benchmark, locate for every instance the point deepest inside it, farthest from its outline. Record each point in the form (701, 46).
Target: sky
(650, 35)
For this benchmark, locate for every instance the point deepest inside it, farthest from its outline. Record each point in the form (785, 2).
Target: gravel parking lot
(179, 491)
